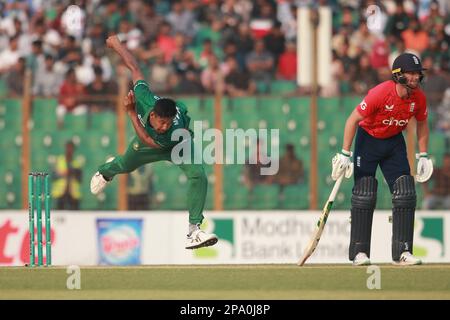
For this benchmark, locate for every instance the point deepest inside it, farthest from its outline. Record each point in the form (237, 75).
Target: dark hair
(70, 71)
(98, 70)
(14, 37)
(39, 22)
(165, 108)
(37, 43)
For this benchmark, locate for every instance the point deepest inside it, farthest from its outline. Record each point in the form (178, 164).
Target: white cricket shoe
(407, 259)
(200, 239)
(361, 259)
(98, 183)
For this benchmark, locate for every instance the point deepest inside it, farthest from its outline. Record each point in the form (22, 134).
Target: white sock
(193, 227)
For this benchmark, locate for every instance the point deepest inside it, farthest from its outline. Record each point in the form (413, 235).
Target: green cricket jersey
(145, 101)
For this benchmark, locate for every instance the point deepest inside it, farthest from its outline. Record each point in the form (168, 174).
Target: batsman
(378, 122)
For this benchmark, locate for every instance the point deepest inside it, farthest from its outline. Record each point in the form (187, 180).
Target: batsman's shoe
(199, 239)
(361, 259)
(407, 259)
(98, 183)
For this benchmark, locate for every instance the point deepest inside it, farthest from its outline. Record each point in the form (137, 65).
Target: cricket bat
(321, 223)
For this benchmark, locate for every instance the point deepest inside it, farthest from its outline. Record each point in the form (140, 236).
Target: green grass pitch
(199, 282)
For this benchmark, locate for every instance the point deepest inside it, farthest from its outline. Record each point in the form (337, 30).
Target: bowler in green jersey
(154, 120)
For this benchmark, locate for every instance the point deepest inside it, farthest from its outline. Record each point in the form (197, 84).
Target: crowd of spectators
(242, 46)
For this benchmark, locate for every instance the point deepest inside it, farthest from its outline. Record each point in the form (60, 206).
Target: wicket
(37, 195)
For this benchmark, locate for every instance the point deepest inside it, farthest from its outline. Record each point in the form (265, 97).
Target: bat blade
(317, 234)
(321, 223)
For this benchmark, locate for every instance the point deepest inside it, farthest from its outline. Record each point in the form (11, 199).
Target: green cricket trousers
(139, 154)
